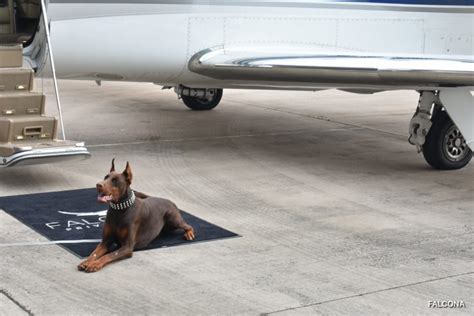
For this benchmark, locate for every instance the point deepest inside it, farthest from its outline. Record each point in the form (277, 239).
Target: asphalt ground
(338, 213)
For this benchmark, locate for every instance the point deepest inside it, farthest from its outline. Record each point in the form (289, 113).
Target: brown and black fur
(135, 227)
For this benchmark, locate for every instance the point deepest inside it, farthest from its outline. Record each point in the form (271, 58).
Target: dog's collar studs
(125, 204)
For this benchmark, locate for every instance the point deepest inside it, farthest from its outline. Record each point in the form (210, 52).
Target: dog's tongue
(102, 198)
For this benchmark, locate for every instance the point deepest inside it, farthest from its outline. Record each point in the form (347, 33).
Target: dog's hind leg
(176, 220)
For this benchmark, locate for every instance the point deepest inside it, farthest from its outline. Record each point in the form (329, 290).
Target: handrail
(53, 68)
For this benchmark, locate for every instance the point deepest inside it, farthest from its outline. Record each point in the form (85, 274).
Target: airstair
(27, 134)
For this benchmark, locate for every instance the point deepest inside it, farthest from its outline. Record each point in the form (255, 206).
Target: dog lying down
(133, 220)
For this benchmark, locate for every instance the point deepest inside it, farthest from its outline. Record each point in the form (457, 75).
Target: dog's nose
(99, 186)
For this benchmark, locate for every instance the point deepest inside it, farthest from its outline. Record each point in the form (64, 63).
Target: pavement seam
(367, 293)
(10, 297)
(320, 118)
(195, 139)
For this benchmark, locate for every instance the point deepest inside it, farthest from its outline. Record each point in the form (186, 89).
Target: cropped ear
(128, 173)
(112, 168)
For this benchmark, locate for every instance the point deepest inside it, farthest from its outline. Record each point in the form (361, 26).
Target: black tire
(445, 148)
(198, 104)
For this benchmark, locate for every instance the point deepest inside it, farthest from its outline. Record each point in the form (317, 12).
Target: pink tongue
(103, 198)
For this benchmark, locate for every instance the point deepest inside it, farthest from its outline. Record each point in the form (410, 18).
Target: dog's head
(115, 184)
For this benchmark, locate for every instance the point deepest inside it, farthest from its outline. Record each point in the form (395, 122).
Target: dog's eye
(106, 177)
(114, 180)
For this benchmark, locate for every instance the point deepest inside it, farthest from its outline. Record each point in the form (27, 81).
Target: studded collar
(121, 206)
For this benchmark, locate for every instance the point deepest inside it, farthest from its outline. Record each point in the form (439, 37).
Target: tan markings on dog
(122, 234)
(107, 231)
(189, 234)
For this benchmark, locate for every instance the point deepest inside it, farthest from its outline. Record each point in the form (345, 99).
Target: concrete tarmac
(338, 213)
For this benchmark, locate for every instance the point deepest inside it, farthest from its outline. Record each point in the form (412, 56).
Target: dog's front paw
(83, 265)
(189, 234)
(94, 267)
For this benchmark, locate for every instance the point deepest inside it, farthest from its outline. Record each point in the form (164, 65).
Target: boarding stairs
(27, 134)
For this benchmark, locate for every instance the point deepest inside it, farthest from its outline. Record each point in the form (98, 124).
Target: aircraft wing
(329, 69)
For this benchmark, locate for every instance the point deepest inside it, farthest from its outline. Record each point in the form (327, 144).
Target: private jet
(200, 47)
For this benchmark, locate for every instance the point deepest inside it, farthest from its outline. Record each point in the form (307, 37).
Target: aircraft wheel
(445, 147)
(203, 104)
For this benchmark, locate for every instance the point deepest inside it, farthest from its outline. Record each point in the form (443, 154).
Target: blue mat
(76, 215)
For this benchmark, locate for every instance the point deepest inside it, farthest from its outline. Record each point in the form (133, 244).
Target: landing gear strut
(436, 135)
(199, 99)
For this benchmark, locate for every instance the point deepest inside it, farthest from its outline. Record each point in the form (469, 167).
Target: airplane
(200, 47)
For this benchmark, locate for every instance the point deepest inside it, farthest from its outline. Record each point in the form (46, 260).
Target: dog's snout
(99, 186)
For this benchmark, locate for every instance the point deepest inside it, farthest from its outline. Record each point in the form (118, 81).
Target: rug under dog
(76, 217)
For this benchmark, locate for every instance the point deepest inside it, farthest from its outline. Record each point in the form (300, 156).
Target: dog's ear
(112, 168)
(128, 173)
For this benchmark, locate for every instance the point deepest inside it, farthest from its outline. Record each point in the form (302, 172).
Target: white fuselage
(154, 40)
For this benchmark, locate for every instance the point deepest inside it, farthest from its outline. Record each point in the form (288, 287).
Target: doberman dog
(133, 220)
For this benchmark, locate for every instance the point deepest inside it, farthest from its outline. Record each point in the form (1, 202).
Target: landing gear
(199, 99)
(445, 147)
(435, 134)
(203, 104)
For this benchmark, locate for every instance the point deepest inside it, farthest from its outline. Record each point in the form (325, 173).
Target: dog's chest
(120, 223)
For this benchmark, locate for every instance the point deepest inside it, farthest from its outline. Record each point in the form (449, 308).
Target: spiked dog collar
(124, 204)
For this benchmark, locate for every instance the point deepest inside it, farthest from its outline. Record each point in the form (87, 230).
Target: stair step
(14, 38)
(22, 103)
(16, 79)
(11, 56)
(27, 128)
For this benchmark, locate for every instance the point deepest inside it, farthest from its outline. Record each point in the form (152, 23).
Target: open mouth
(104, 198)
